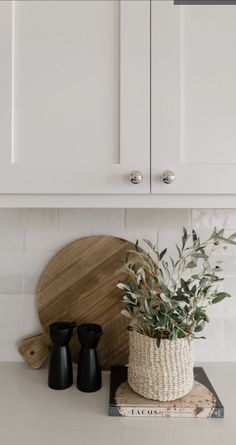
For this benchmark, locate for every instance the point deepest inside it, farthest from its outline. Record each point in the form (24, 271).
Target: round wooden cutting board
(79, 284)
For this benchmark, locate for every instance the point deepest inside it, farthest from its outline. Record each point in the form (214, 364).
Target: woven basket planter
(164, 373)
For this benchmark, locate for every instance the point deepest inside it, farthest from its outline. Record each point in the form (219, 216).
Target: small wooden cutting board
(80, 284)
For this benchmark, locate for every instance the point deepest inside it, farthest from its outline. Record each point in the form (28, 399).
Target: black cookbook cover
(201, 402)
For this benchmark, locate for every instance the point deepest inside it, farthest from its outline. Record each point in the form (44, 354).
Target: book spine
(146, 411)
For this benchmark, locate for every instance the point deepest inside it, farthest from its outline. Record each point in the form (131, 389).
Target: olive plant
(167, 298)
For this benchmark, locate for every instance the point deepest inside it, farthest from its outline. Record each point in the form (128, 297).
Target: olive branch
(167, 299)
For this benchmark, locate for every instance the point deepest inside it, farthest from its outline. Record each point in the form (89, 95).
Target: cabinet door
(75, 96)
(194, 97)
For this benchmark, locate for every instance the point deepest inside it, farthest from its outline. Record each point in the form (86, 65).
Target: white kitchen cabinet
(194, 98)
(78, 81)
(75, 96)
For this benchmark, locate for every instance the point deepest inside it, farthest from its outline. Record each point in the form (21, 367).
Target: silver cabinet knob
(136, 177)
(168, 176)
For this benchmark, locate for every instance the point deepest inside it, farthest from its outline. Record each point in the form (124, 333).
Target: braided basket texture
(164, 373)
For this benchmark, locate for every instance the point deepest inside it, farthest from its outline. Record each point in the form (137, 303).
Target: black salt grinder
(89, 378)
(60, 374)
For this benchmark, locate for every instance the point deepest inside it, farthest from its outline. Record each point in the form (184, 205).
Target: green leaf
(181, 298)
(129, 299)
(184, 237)
(200, 255)
(146, 305)
(166, 291)
(181, 334)
(141, 275)
(173, 282)
(179, 251)
(123, 286)
(214, 233)
(198, 314)
(200, 326)
(194, 236)
(196, 338)
(162, 308)
(191, 264)
(149, 243)
(219, 297)
(125, 313)
(164, 297)
(162, 320)
(172, 262)
(162, 254)
(174, 333)
(227, 240)
(184, 285)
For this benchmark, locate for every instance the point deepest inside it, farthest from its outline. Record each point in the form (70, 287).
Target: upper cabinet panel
(66, 82)
(75, 85)
(194, 98)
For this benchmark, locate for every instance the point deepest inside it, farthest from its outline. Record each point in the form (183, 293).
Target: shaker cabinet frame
(165, 94)
(58, 169)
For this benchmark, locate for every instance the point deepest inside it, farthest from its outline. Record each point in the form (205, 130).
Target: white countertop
(33, 414)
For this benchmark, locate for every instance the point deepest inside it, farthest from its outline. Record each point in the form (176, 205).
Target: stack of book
(201, 402)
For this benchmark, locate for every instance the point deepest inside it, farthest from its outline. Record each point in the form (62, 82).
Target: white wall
(29, 237)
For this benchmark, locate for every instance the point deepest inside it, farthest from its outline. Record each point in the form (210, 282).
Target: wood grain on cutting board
(80, 284)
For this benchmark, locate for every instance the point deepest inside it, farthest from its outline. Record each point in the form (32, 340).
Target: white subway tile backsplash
(226, 218)
(229, 350)
(11, 240)
(22, 262)
(229, 285)
(10, 218)
(230, 308)
(38, 218)
(18, 319)
(210, 218)
(228, 264)
(217, 311)
(157, 218)
(30, 282)
(133, 235)
(29, 238)
(28, 218)
(209, 350)
(230, 328)
(94, 220)
(51, 240)
(168, 238)
(11, 284)
(202, 219)
(214, 330)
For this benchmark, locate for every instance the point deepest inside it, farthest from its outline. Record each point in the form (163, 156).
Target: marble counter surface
(33, 414)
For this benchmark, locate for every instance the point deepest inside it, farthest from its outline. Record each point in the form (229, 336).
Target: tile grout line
(23, 284)
(125, 219)
(57, 218)
(190, 219)
(24, 239)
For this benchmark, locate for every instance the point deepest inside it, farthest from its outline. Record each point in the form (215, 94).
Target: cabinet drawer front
(194, 98)
(75, 96)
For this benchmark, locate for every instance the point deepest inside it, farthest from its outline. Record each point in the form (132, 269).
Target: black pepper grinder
(89, 377)
(60, 374)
